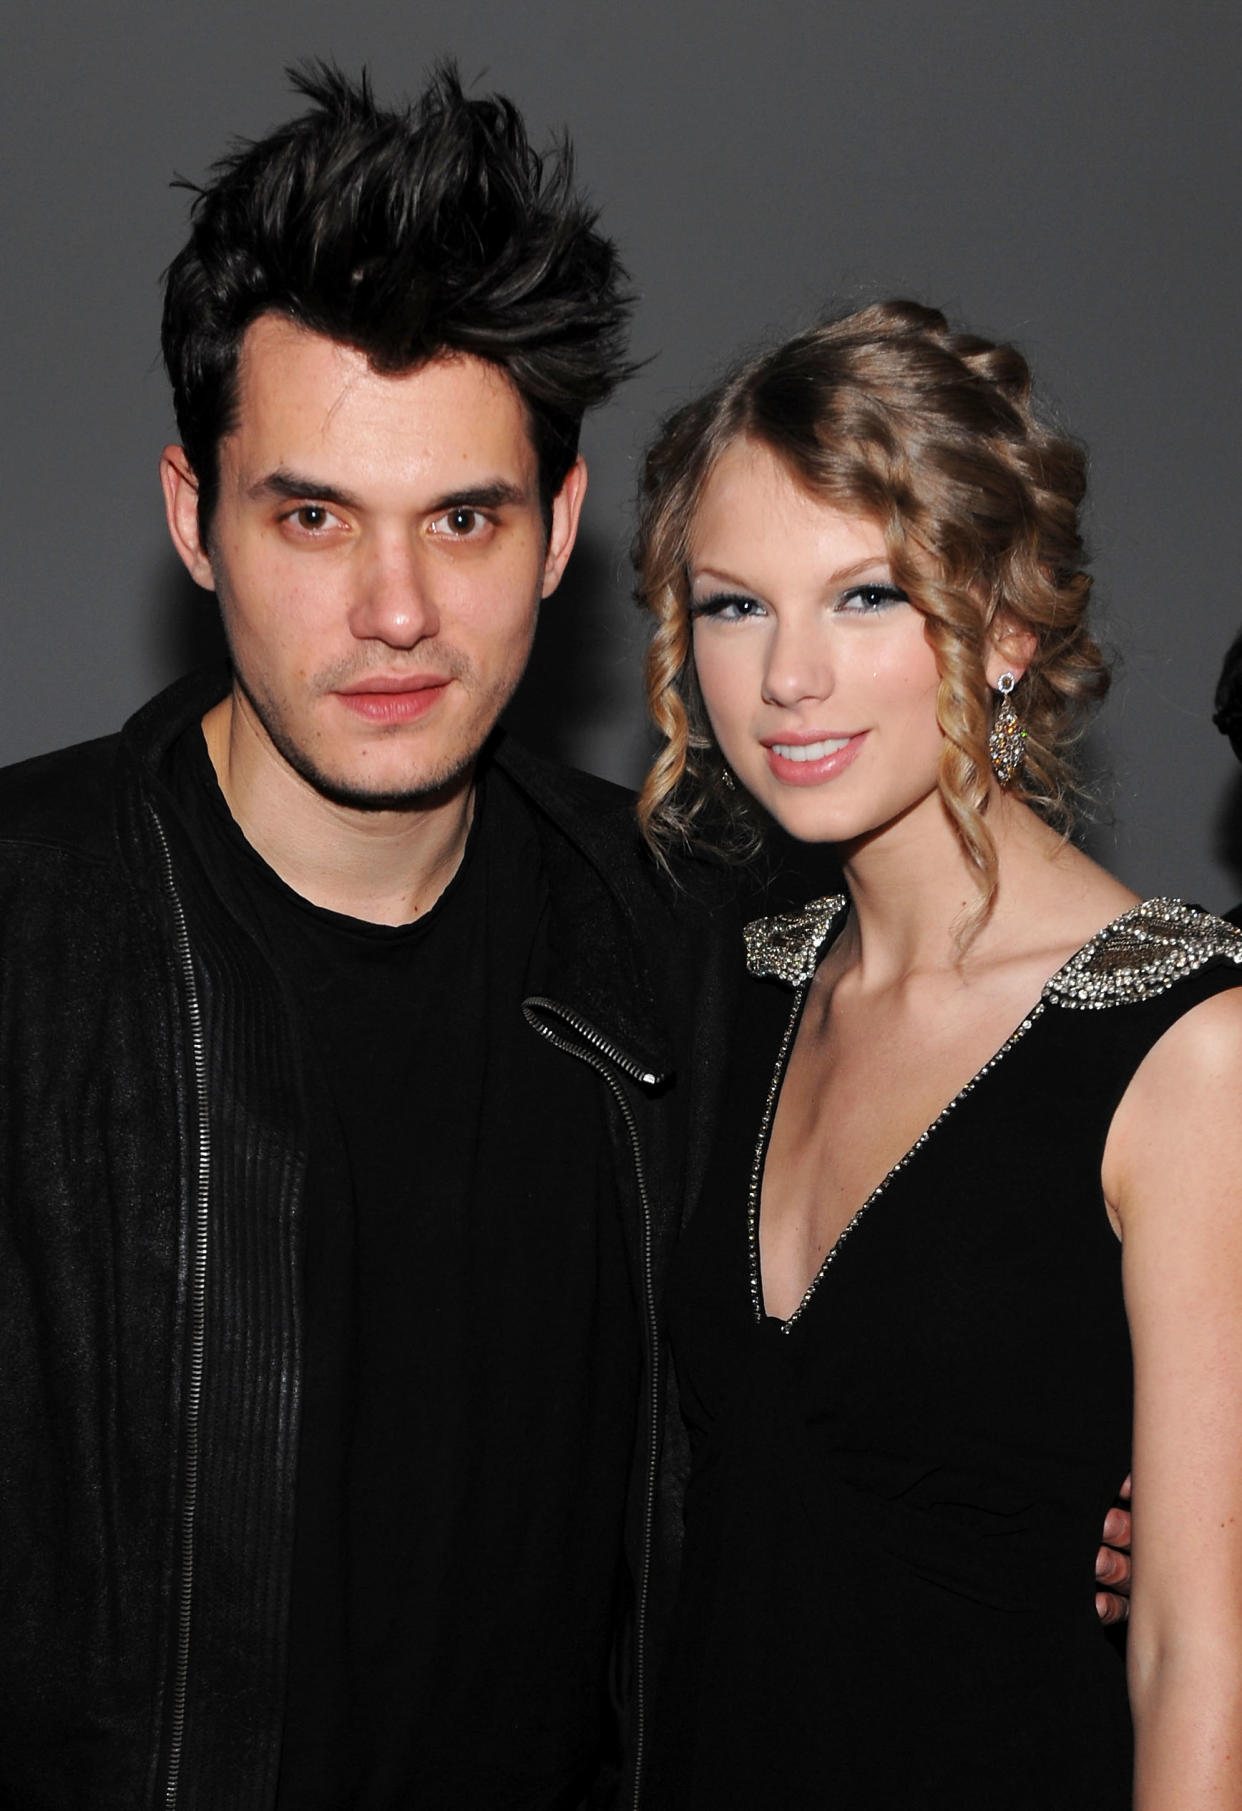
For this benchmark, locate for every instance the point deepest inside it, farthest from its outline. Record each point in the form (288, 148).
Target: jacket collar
(607, 901)
(610, 911)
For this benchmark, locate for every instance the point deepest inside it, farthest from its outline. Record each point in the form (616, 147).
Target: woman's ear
(1010, 648)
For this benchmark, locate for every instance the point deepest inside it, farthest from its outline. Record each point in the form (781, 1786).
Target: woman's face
(818, 679)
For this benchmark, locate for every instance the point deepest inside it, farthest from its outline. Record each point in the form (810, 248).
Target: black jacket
(153, 1144)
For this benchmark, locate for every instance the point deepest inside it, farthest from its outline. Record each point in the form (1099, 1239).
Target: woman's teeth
(809, 751)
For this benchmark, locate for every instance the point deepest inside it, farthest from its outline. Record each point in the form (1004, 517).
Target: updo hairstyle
(932, 435)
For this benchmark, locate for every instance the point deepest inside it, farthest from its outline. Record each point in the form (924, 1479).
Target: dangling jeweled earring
(1007, 734)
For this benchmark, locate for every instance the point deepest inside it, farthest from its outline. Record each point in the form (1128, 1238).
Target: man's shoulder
(71, 799)
(561, 789)
(598, 818)
(62, 800)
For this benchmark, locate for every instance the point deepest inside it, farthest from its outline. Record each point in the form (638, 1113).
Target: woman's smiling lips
(808, 759)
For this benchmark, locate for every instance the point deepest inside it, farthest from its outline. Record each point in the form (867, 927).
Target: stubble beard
(430, 788)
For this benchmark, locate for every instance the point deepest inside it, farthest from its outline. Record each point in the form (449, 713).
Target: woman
(984, 1139)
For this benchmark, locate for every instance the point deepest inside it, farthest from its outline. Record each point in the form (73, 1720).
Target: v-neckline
(755, 1191)
(754, 1198)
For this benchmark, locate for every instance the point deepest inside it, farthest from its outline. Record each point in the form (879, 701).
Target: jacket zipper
(601, 1052)
(197, 1322)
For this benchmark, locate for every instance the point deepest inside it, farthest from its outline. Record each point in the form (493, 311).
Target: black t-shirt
(471, 1342)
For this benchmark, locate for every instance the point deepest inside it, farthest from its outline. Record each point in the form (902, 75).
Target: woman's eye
(865, 600)
(726, 607)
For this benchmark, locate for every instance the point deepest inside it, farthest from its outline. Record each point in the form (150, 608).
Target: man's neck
(386, 867)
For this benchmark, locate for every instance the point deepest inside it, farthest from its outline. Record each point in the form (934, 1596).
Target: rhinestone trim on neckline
(1136, 957)
(761, 1150)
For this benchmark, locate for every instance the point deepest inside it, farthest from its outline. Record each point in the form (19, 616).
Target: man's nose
(395, 601)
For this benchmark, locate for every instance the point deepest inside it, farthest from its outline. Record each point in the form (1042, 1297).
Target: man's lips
(396, 698)
(806, 758)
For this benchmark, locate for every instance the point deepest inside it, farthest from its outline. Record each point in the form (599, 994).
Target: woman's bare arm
(1173, 1176)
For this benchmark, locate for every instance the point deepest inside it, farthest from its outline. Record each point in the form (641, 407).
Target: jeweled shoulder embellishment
(787, 945)
(1143, 953)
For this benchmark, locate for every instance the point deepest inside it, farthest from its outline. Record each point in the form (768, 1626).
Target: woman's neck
(915, 895)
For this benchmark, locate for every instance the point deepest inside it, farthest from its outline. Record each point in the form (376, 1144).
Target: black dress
(897, 1493)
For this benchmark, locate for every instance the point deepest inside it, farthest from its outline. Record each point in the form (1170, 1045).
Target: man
(340, 1146)
(355, 1061)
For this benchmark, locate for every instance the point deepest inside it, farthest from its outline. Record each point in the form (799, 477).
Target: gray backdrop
(1063, 174)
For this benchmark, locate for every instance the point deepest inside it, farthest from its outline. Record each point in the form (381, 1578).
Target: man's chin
(411, 795)
(425, 783)
(396, 792)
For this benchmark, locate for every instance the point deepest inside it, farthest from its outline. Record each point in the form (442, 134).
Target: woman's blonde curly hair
(933, 435)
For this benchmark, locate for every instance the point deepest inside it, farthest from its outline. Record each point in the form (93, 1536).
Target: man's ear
(1010, 649)
(181, 509)
(566, 511)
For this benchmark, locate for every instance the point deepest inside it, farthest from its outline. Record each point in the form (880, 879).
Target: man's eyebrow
(299, 487)
(296, 487)
(482, 496)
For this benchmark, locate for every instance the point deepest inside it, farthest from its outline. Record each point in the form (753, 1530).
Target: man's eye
(311, 517)
(460, 523)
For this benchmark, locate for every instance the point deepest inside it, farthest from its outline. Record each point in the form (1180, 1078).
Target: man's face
(379, 554)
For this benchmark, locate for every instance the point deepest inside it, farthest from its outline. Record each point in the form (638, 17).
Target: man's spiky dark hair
(404, 234)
